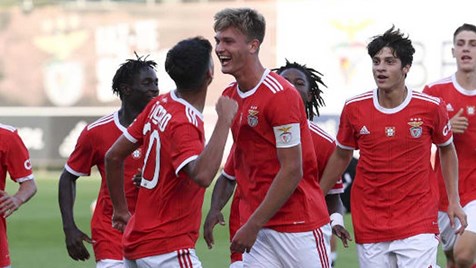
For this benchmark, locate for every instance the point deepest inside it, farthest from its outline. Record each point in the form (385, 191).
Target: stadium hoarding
(56, 74)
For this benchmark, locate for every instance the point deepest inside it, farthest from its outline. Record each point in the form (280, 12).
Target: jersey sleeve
(285, 116)
(442, 134)
(18, 159)
(187, 145)
(82, 159)
(346, 134)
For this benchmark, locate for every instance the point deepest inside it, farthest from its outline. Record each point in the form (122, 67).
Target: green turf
(36, 236)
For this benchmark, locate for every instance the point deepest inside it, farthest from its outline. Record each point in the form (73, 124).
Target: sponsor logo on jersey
(27, 164)
(449, 107)
(390, 131)
(447, 129)
(364, 131)
(252, 118)
(137, 154)
(286, 135)
(416, 130)
(470, 110)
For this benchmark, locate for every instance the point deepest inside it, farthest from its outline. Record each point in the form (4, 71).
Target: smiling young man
(136, 84)
(459, 93)
(284, 219)
(394, 209)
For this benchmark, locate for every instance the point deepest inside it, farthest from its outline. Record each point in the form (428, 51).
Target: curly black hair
(314, 78)
(128, 71)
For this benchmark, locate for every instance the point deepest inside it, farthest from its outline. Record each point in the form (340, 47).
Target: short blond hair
(248, 21)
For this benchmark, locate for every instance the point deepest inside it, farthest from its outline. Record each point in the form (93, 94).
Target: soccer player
(306, 81)
(136, 84)
(282, 209)
(15, 159)
(394, 210)
(459, 93)
(177, 168)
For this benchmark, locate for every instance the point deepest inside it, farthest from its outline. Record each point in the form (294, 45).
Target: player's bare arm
(10, 203)
(459, 123)
(335, 167)
(283, 185)
(336, 208)
(114, 161)
(449, 168)
(203, 169)
(222, 192)
(74, 237)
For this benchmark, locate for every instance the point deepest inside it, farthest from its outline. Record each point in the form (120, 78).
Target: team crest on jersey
(390, 131)
(470, 110)
(252, 117)
(416, 130)
(137, 154)
(286, 135)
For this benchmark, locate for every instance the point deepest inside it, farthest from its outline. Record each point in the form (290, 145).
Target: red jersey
(15, 159)
(324, 146)
(91, 147)
(169, 215)
(457, 98)
(272, 116)
(392, 196)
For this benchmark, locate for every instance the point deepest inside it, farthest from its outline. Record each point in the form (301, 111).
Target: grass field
(36, 236)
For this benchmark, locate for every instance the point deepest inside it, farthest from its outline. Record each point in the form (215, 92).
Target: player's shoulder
(366, 96)
(102, 123)
(7, 128)
(318, 131)
(180, 110)
(441, 83)
(276, 84)
(423, 97)
(8, 133)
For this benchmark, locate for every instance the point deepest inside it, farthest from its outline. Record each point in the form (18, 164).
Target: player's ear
(406, 69)
(125, 89)
(254, 46)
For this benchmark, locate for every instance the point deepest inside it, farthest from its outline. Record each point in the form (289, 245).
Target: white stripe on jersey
(425, 97)
(101, 121)
(446, 80)
(364, 96)
(272, 84)
(7, 127)
(191, 116)
(319, 131)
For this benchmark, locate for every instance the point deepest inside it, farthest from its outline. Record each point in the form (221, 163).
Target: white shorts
(303, 249)
(109, 263)
(177, 259)
(448, 236)
(415, 251)
(236, 264)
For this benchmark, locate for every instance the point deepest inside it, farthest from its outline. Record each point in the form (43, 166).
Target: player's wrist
(337, 219)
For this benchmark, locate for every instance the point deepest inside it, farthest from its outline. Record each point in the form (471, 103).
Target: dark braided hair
(128, 71)
(314, 79)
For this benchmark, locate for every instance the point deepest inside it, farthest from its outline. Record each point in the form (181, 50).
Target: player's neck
(249, 77)
(391, 98)
(194, 98)
(466, 80)
(126, 116)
